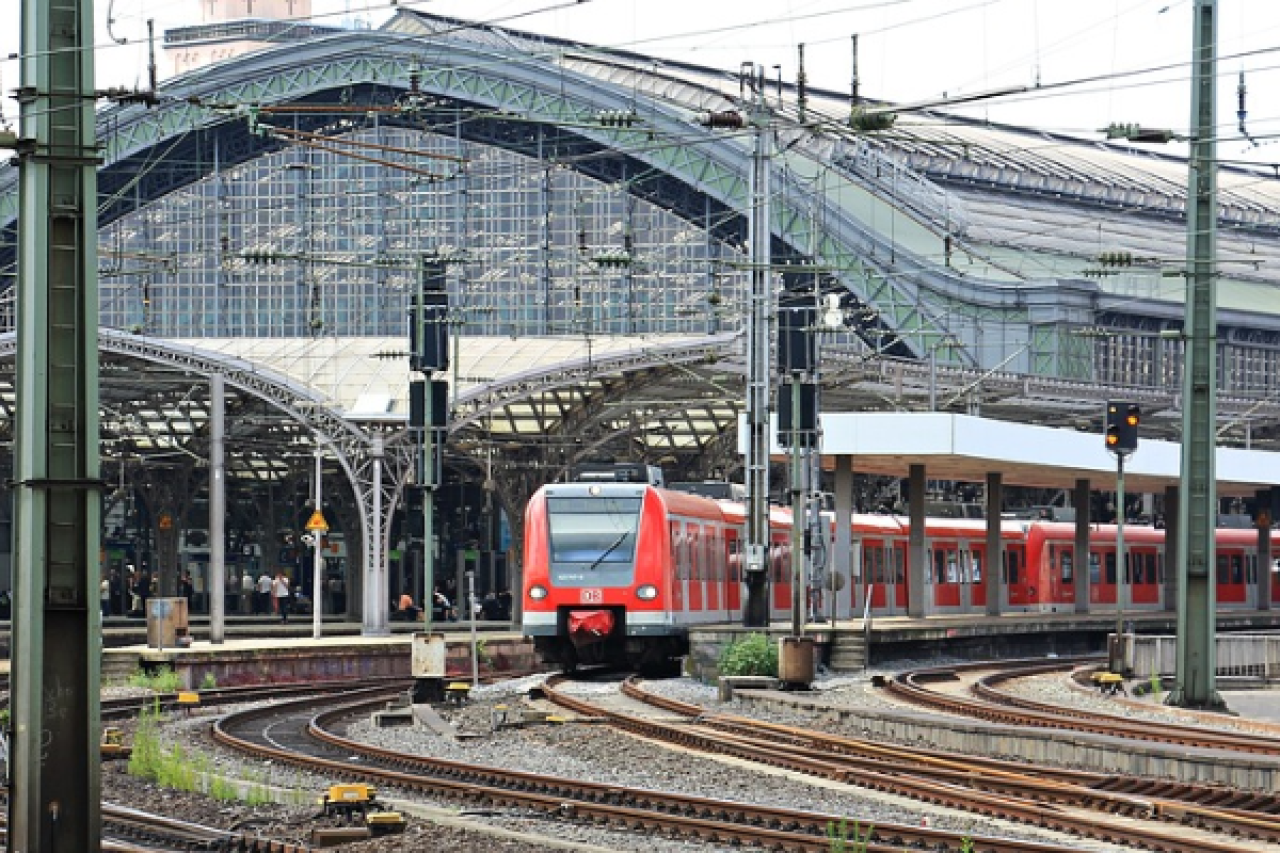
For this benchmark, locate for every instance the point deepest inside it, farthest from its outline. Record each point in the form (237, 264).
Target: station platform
(282, 658)
(852, 644)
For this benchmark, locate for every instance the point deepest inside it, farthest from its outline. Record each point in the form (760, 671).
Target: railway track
(1068, 801)
(991, 704)
(126, 830)
(277, 734)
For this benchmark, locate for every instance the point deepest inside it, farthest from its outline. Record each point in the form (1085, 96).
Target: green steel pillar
(1198, 507)
(55, 783)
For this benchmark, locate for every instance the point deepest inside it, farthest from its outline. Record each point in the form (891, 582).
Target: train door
(1014, 566)
(678, 567)
(883, 578)
(712, 566)
(732, 545)
(780, 572)
(1232, 587)
(1144, 584)
(697, 575)
(1102, 575)
(896, 552)
(977, 586)
(947, 574)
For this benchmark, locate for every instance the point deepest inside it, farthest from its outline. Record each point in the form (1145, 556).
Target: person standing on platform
(104, 594)
(280, 589)
(262, 601)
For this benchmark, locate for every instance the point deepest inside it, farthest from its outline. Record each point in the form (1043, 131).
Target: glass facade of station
(313, 242)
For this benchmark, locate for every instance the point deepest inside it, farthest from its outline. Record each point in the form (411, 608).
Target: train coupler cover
(589, 626)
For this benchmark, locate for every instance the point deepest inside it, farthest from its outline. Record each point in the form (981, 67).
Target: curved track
(638, 810)
(999, 707)
(1068, 801)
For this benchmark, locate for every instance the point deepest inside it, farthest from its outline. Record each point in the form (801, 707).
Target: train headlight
(537, 593)
(648, 592)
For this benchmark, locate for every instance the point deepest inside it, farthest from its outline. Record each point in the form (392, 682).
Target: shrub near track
(751, 655)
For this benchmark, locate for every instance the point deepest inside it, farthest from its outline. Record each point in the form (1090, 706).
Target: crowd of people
(272, 595)
(495, 607)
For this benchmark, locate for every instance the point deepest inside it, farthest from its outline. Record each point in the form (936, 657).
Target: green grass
(841, 840)
(163, 680)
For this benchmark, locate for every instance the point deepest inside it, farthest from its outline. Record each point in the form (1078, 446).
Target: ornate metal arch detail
(351, 446)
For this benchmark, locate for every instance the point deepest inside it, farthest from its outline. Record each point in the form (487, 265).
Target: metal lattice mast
(1198, 505)
(55, 782)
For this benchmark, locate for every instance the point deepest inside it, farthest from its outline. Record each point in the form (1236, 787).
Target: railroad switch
(112, 745)
(457, 692)
(1110, 683)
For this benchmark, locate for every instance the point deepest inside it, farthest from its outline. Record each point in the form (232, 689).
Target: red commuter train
(617, 572)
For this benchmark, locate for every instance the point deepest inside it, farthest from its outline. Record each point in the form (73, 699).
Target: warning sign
(317, 522)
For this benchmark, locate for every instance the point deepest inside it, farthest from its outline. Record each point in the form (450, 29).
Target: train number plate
(593, 596)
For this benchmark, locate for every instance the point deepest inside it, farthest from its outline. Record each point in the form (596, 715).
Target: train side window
(1066, 566)
(1160, 566)
(1152, 568)
(1222, 568)
(1251, 567)
(1132, 567)
(899, 566)
(1111, 567)
(1095, 568)
(675, 547)
(1013, 564)
(976, 566)
(1237, 569)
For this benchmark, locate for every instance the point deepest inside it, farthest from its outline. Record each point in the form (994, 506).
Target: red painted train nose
(589, 626)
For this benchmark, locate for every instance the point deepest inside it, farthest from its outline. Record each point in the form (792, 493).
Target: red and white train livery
(617, 572)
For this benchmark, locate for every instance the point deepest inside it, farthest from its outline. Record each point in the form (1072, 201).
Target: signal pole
(756, 612)
(1122, 569)
(1121, 439)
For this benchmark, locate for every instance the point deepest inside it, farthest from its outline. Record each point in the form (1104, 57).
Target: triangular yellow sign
(317, 522)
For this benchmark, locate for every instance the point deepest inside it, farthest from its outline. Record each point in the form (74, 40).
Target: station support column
(1080, 557)
(917, 567)
(991, 574)
(217, 509)
(1171, 497)
(1264, 517)
(843, 565)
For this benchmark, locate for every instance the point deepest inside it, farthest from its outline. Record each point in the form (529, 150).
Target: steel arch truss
(521, 90)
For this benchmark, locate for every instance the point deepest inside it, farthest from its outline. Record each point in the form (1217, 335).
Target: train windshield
(593, 535)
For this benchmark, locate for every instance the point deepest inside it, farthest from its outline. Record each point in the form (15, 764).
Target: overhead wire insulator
(724, 119)
(868, 122)
(1116, 259)
(617, 118)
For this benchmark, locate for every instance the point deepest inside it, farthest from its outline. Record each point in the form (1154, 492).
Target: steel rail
(1031, 800)
(605, 804)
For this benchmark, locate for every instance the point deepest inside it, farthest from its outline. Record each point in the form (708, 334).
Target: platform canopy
(966, 449)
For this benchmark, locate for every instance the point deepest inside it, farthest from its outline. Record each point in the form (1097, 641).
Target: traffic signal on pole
(1122, 427)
